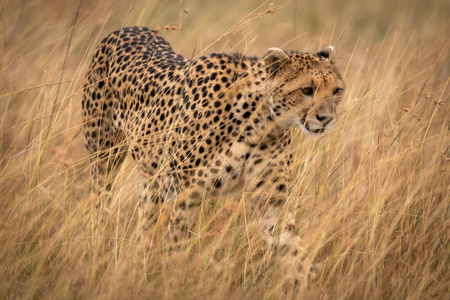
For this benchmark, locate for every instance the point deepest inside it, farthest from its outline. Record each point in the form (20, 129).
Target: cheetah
(203, 127)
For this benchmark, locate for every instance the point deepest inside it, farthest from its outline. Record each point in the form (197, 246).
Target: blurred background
(371, 197)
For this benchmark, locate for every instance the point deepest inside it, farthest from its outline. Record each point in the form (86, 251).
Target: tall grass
(371, 197)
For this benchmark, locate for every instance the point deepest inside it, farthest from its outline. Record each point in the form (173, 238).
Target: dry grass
(371, 197)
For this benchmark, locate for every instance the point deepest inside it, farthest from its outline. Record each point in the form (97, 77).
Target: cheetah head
(304, 89)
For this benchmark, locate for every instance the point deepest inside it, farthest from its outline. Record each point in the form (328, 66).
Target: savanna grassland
(371, 197)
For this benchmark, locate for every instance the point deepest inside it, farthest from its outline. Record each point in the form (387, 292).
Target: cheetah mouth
(305, 126)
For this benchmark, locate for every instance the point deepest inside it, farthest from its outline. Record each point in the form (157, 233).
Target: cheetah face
(304, 90)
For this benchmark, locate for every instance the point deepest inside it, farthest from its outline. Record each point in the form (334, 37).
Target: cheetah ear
(274, 59)
(327, 53)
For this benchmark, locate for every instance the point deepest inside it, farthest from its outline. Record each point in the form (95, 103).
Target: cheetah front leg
(148, 201)
(279, 232)
(182, 216)
(156, 196)
(277, 226)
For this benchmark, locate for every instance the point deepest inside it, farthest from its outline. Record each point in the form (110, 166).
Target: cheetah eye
(308, 91)
(336, 91)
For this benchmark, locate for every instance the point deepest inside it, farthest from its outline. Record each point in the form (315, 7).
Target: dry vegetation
(371, 197)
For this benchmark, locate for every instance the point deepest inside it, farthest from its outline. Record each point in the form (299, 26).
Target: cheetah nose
(324, 119)
(321, 118)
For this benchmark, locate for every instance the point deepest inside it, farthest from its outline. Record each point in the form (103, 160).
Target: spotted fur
(206, 126)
